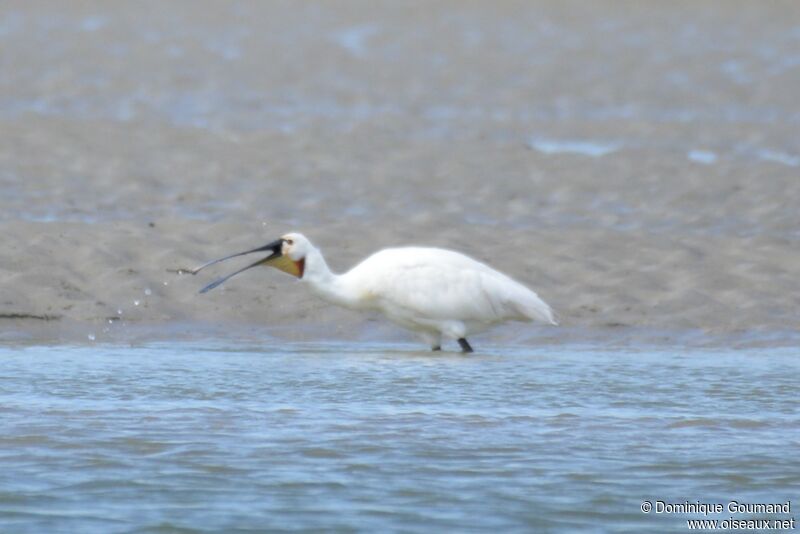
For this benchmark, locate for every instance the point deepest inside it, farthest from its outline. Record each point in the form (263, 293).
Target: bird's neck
(326, 284)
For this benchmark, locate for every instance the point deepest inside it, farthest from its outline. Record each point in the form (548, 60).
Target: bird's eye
(289, 242)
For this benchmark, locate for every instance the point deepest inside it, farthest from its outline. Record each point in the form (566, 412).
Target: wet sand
(636, 164)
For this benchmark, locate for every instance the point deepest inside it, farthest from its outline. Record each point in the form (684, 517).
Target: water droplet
(91, 337)
(148, 292)
(166, 283)
(119, 312)
(135, 302)
(110, 321)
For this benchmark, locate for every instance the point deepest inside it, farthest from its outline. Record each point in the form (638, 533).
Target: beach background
(635, 163)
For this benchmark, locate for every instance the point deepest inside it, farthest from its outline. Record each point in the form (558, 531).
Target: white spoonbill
(431, 291)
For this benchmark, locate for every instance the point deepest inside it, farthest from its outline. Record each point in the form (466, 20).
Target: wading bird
(434, 292)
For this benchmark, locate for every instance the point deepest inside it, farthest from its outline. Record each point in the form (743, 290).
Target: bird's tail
(535, 308)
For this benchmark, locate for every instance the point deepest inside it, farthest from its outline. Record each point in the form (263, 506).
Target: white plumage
(434, 292)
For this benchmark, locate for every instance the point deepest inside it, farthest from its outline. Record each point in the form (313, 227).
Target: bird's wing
(444, 285)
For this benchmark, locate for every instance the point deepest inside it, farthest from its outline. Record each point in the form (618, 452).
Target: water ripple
(108, 439)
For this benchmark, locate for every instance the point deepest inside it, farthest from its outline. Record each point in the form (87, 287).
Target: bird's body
(434, 292)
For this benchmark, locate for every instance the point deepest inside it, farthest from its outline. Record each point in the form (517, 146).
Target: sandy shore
(642, 180)
(96, 278)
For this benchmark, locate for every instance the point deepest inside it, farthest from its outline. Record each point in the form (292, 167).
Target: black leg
(464, 345)
(437, 347)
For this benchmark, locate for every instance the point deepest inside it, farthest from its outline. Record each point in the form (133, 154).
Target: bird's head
(288, 254)
(295, 246)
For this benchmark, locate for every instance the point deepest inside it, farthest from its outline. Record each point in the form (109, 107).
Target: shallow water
(210, 436)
